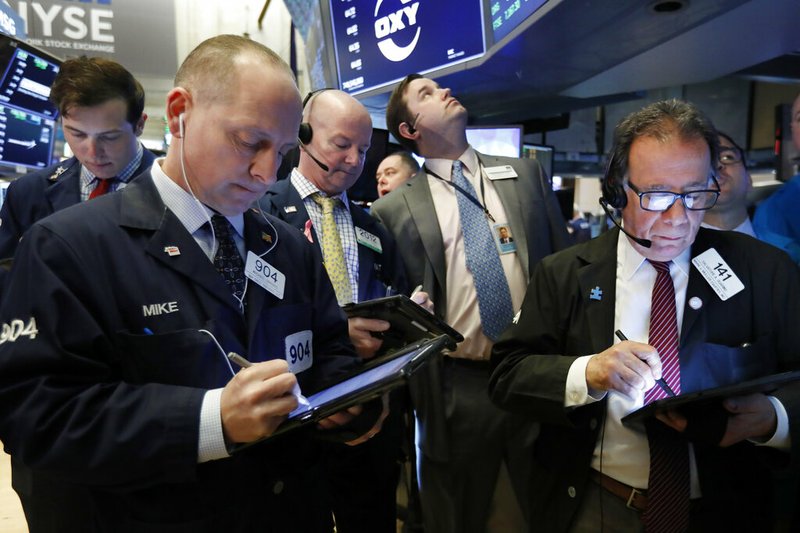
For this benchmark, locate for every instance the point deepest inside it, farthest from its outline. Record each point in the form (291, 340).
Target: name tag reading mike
(265, 275)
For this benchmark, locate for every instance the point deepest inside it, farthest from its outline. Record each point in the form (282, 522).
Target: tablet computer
(700, 399)
(410, 322)
(367, 383)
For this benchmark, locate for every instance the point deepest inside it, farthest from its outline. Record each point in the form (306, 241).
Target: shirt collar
(305, 188)
(629, 260)
(444, 167)
(124, 175)
(192, 214)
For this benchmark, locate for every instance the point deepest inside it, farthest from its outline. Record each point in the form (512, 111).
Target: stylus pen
(244, 363)
(661, 382)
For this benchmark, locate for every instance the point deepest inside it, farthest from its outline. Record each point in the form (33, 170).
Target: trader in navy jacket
(361, 482)
(115, 375)
(101, 106)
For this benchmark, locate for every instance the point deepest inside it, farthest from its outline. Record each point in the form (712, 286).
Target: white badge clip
(502, 172)
(368, 239)
(268, 277)
(718, 274)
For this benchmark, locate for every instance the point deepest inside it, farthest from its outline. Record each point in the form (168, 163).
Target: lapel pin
(172, 251)
(695, 303)
(290, 209)
(60, 170)
(266, 237)
(596, 294)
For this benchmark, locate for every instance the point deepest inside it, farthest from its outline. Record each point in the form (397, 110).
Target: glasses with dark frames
(660, 201)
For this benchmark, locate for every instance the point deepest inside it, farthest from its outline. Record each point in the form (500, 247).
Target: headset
(613, 192)
(305, 134)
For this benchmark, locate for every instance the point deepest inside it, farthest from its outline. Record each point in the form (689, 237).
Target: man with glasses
(730, 211)
(559, 361)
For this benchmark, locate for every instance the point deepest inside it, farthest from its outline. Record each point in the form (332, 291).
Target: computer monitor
(543, 153)
(377, 43)
(508, 14)
(496, 140)
(27, 116)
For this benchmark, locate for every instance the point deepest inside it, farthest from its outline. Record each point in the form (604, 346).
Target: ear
(140, 125)
(179, 101)
(405, 132)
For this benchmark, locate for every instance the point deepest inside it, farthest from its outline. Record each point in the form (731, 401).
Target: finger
(648, 355)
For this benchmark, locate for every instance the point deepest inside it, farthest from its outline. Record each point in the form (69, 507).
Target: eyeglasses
(660, 201)
(729, 156)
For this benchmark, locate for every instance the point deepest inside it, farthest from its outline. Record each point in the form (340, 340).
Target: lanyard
(466, 194)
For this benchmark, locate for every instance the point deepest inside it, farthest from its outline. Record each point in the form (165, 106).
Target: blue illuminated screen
(27, 116)
(378, 42)
(508, 14)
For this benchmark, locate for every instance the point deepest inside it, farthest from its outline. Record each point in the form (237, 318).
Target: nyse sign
(70, 25)
(140, 34)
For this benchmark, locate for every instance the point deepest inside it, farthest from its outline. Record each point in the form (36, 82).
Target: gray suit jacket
(410, 215)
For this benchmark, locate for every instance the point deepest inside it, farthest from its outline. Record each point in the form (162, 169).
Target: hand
(423, 299)
(630, 368)
(752, 417)
(366, 345)
(255, 402)
(342, 418)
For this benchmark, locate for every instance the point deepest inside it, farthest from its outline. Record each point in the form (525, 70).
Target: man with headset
(701, 309)
(334, 137)
(119, 381)
(473, 457)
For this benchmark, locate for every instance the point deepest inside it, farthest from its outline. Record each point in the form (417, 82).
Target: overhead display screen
(378, 42)
(508, 14)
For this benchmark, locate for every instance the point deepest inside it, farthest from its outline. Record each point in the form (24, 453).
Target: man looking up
(665, 286)
(395, 170)
(120, 383)
(446, 218)
(363, 263)
(101, 106)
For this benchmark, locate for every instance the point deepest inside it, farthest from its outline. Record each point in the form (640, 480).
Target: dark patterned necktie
(227, 260)
(668, 486)
(483, 260)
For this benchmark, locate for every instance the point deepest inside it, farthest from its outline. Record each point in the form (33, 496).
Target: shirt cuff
(577, 392)
(211, 444)
(781, 439)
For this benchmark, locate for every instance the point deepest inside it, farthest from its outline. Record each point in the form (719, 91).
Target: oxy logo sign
(397, 24)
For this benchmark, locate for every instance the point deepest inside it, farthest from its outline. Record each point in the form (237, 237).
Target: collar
(189, 210)
(305, 188)
(629, 260)
(444, 167)
(125, 174)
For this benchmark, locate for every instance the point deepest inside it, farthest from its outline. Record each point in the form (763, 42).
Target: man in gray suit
(473, 457)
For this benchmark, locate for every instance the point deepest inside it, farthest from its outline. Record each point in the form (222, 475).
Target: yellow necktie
(332, 251)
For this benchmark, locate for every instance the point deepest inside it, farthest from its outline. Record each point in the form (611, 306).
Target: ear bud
(180, 125)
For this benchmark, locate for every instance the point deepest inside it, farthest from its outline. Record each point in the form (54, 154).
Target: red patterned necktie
(668, 486)
(102, 187)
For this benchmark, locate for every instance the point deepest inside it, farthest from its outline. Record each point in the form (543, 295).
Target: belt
(634, 498)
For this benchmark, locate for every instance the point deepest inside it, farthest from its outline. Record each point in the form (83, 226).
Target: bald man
(360, 482)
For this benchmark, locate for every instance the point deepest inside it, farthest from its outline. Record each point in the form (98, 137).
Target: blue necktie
(227, 260)
(483, 260)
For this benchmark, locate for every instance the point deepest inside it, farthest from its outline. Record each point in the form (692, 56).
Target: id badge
(503, 238)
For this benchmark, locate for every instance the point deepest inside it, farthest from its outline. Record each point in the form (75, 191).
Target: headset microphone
(641, 242)
(321, 165)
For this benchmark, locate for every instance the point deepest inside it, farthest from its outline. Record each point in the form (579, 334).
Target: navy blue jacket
(104, 386)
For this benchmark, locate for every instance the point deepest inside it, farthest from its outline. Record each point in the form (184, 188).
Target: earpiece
(613, 192)
(180, 124)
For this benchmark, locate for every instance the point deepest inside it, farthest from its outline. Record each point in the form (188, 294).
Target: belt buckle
(634, 493)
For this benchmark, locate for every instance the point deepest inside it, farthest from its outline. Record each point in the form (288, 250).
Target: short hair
(90, 81)
(208, 69)
(407, 159)
(735, 145)
(660, 120)
(397, 112)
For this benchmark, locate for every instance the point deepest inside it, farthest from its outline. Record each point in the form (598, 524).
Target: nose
(676, 214)
(93, 148)
(445, 93)
(264, 166)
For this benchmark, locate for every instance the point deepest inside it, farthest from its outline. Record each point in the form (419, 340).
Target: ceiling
(575, 54)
